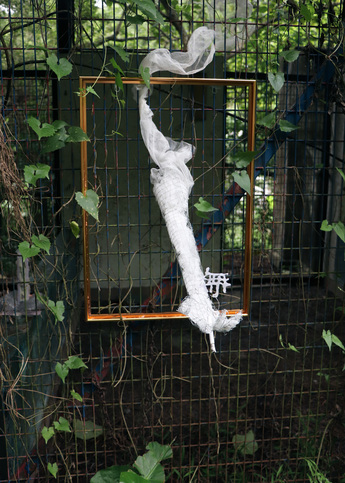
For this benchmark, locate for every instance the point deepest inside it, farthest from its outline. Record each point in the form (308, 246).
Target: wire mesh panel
(79, 397)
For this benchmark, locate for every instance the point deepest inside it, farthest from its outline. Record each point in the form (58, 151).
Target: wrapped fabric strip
(172, 184)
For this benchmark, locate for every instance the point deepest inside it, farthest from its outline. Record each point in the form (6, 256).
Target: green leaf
(145, 74)
(76, 135)
(286, 126)
(336, 341)
(109, 475)
(89, 202)
(91, 90)
(61, 67)
(44, 130)
(87, 429)
(149, 467)
(76, 395)
(62, 371)
(243, 158)
(33, 172)
(245, 443)
(148, 8)
(120, 51)
(135, 19)
(47, 433)
(57, 309)
(342, 174)
(74, 228)
(161, 452)
(204, 208)
(75, 362)
(325, 226)
(307, 11)
(243, 180)
(290, 55)
(116, 65)
(327, 337)
(131, 477)
(292, 347)
(276, 80)
(289, 346)
(27, 251)
(62, 425)
(322, 374)
(53, 469)
(52, 144)
(200, 214)
(268, 121)
(41, 242)
(59, 124)
(339, 228)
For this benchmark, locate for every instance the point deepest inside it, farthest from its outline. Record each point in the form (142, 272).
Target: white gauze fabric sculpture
(172, 184)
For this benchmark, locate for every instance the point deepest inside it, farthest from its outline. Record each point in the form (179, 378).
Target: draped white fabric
(172, 183)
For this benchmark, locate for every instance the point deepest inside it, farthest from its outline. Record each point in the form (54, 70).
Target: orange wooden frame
(85, 81)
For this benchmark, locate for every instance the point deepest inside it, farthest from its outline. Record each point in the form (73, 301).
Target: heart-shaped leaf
(62, 371)
(325, 226)
(47, 433)
(61, 67)
(290, 55)
(286, 126)
(59, 124)
(268, 121)
(89, 202)
(76, 396)
(87, 429)
(276, 80)
(243, 180)
(243, 158)
(204, 208)
(76, 135)
(245, 443)
(41, 242)
(62, 425)
(52, 144)
(33, 172)
(42, 130)
(58, 309)
(53, 469)
(27, 251)
(75, 362)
